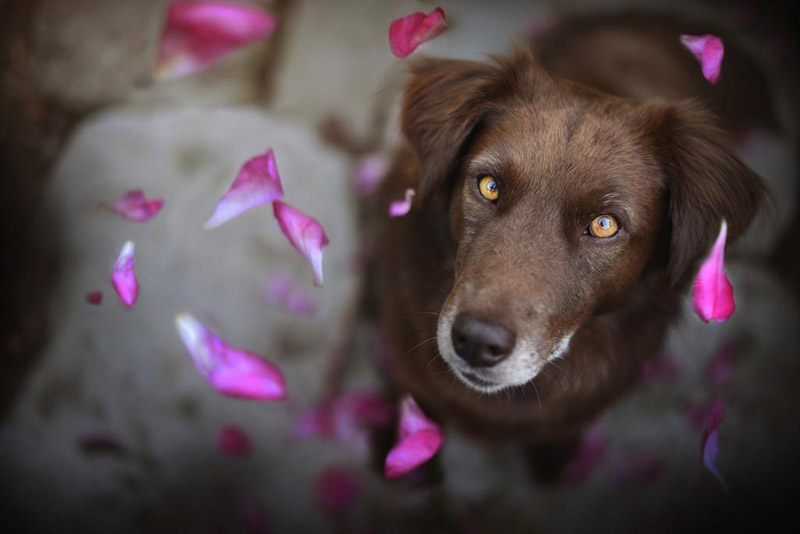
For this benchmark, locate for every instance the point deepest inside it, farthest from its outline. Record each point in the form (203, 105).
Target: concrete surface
(125, 373)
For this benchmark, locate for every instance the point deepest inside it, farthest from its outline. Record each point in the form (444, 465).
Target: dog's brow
(484, 162)
(575, 122)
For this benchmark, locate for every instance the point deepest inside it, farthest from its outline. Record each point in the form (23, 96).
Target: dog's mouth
(476, 382)
(519, 368)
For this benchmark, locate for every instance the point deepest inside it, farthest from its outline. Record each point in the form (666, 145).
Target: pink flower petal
(304, 233)
(664, 367)
(711, 439)
(134, 206)
(99, 442)
(419, 438)
(712, 295)
(591, 452)
(370, 173)
(123, 278)
(337, 489)
(407, 33)
(348, 419)
(281, 290)
(255, 517)
(257, 182)
(708, 50)
(638, 469)
(232, 441)
(231, 371)
(95, 298)
(720, 369)
(197, 34)
(398, 208)
(346, 416)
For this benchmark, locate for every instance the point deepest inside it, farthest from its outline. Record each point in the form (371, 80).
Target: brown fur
(563, 153)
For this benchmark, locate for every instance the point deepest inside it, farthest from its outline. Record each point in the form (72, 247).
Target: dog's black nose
(480, 343)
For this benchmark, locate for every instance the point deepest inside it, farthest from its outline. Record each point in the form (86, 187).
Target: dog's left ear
(443, 102)
(707, 183)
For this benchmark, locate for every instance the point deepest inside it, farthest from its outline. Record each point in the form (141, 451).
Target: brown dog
(554, 233)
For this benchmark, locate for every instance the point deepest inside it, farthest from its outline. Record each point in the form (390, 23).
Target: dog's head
(560, 201)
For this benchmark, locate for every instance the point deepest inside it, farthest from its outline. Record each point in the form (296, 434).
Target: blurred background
(105, 425)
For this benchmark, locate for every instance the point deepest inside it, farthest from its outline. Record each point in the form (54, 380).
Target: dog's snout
(481, 343)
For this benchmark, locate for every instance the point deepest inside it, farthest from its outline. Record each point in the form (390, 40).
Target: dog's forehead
(585, 143)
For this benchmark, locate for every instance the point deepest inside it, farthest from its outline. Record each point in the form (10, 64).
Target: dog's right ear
(443, 102)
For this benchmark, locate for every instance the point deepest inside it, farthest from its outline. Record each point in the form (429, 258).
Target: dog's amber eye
(604, 226)
(488, 188)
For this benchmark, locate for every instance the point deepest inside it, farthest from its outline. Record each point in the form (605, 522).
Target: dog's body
(508, 317)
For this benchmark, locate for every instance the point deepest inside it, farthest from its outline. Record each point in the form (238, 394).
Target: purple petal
(370, 173)
(232, 441)
(345, 417)
(412, 452)
(231, 371)
(123, 278)
(197, 34)
(95, 298)
(712, 294)
(636, 470)
(337, 489)
(258, 182)
(134, 206)
(419, 438)
(304, 233)
(591, 452)
(99, 442)
(708, 50)
(255, 517)
(412, 418)
(711, 439)
(664, 367)
(407, 33)
(398, 208)
(720, 369)
(710, 453)
(281, 290)
(349, 420)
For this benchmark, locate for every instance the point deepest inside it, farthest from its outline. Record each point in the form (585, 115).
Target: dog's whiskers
(418, 345)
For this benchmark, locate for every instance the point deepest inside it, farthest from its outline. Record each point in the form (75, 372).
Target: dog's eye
(604, 226)
(488, 188)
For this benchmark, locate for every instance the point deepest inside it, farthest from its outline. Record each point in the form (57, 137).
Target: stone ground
(82, 124)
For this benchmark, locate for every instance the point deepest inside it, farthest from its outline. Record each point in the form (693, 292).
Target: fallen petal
(712, 294)
(231, 371)
(99, 443)
(664, 367)
(255, 517)
(134, 206)
(710, 452)
(638, 469)
(123, 278)
(95, 298)
(232, 441)
(711, 440)
(720, 369)
(304, 233)
(343, 416)
(337, 489)
(370, 173)
(709, 50)
(419, 438)
(407, 33)
(281, 290)
(591, 452)
(257, 182)
(197, 34)
(398, 208)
